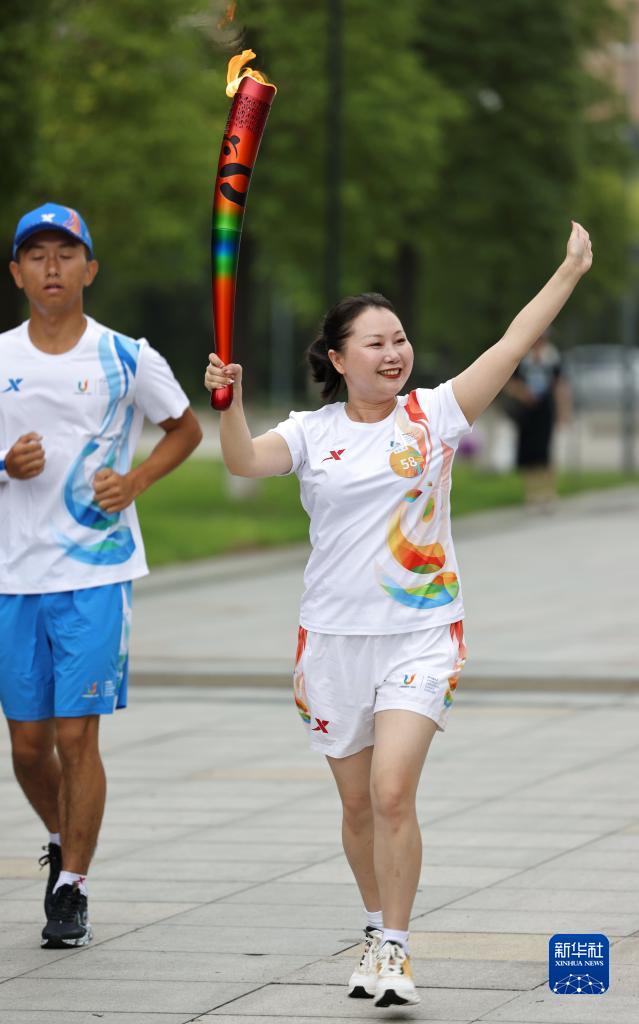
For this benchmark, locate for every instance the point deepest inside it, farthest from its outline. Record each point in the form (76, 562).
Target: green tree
(394, 117)
(127, 134)
(540, 143)
(18, 127)
(471, 134)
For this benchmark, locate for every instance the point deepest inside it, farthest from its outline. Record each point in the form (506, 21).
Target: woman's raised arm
(476, 387)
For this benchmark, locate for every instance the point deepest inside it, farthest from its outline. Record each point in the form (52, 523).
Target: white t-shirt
(378, 497)
(89, 405)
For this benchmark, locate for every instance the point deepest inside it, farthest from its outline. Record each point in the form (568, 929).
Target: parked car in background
(602, 376)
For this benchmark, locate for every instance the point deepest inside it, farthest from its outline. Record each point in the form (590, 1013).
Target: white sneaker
(363, 980)
(395, 985)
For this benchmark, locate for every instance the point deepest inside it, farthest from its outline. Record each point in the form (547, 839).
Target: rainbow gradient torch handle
(242, 136)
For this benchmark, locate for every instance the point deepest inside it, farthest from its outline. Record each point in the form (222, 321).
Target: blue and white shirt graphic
(89, 405)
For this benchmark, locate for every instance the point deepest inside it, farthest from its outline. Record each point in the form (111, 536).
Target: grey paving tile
(212, 852)
(127, 821)
(486, 856)
(106, 964)
(297, 894)
(254, 941)
(417, 1013)
(329, 1002)
(203, 870)
(101, 911)
(543, 1007)
(84, 1017)
(626, 952)
(602, 860)
(581, 900)
(19, 960)
(246, 832)
(454, 974)
(338, 871)
(624, 980)
(27, 936)
(442, 835)
(143, 890)
(508, 946)
(125, 996)
(599, 810)
(619, 841)
(586, 825)
(567, 878)
(546, 922)
(19, 867)
(127, 832)
(268, 915)
(10, 886)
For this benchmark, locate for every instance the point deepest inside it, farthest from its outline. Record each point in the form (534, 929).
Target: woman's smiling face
(377, 358)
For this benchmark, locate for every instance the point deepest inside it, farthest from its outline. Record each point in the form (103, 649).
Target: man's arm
(115, 492)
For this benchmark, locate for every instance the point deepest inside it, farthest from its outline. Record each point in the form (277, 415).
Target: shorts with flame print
(299, 688)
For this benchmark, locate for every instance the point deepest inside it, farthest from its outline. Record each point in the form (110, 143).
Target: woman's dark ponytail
(322, 368)
(333, 333)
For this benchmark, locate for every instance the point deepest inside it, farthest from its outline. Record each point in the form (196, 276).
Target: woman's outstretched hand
(220, 376)
(579, 249)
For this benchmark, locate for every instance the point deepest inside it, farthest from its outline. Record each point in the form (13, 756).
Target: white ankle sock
(71, 878)
(392, 936)
(374, 919)
(54, 837)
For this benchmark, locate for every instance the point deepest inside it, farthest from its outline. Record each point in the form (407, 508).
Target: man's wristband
(4, 476)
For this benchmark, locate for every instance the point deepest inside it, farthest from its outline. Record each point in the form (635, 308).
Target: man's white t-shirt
(378, 497)
(89, 405)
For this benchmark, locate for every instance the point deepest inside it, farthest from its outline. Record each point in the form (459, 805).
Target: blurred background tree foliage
(470, 135)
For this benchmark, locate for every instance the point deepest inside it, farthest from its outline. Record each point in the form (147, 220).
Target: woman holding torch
(381, 641)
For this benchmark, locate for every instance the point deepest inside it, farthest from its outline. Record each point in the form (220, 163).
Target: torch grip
(221, 398)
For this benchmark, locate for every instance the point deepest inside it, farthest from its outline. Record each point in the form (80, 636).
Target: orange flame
(237, 71)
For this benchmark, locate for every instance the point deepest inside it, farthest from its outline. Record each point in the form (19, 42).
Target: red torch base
(221, 398)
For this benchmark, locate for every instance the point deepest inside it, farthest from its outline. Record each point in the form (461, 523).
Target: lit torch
(253, 96)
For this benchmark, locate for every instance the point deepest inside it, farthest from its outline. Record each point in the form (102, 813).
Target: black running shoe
(68, 920)
(53, 857)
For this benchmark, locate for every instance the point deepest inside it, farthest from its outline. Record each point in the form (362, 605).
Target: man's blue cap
(52, 217)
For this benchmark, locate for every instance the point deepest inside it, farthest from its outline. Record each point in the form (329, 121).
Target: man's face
(53, 270)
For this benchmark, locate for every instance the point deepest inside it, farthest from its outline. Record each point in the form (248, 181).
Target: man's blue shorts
(64, 655)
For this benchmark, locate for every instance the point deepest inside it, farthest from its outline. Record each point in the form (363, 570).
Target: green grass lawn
(189, 514)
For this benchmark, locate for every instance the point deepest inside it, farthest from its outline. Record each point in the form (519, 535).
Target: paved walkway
(220, 892)
(549, 599)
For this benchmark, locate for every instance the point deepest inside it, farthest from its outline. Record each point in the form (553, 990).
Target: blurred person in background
(538, 397)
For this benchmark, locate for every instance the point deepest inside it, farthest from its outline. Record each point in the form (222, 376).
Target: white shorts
(340, 682)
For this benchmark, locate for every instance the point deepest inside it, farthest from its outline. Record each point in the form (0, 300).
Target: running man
(73, 397)
(381, 641)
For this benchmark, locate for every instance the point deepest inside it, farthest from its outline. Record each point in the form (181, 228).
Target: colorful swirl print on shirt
(413, 527)
(105, 450)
